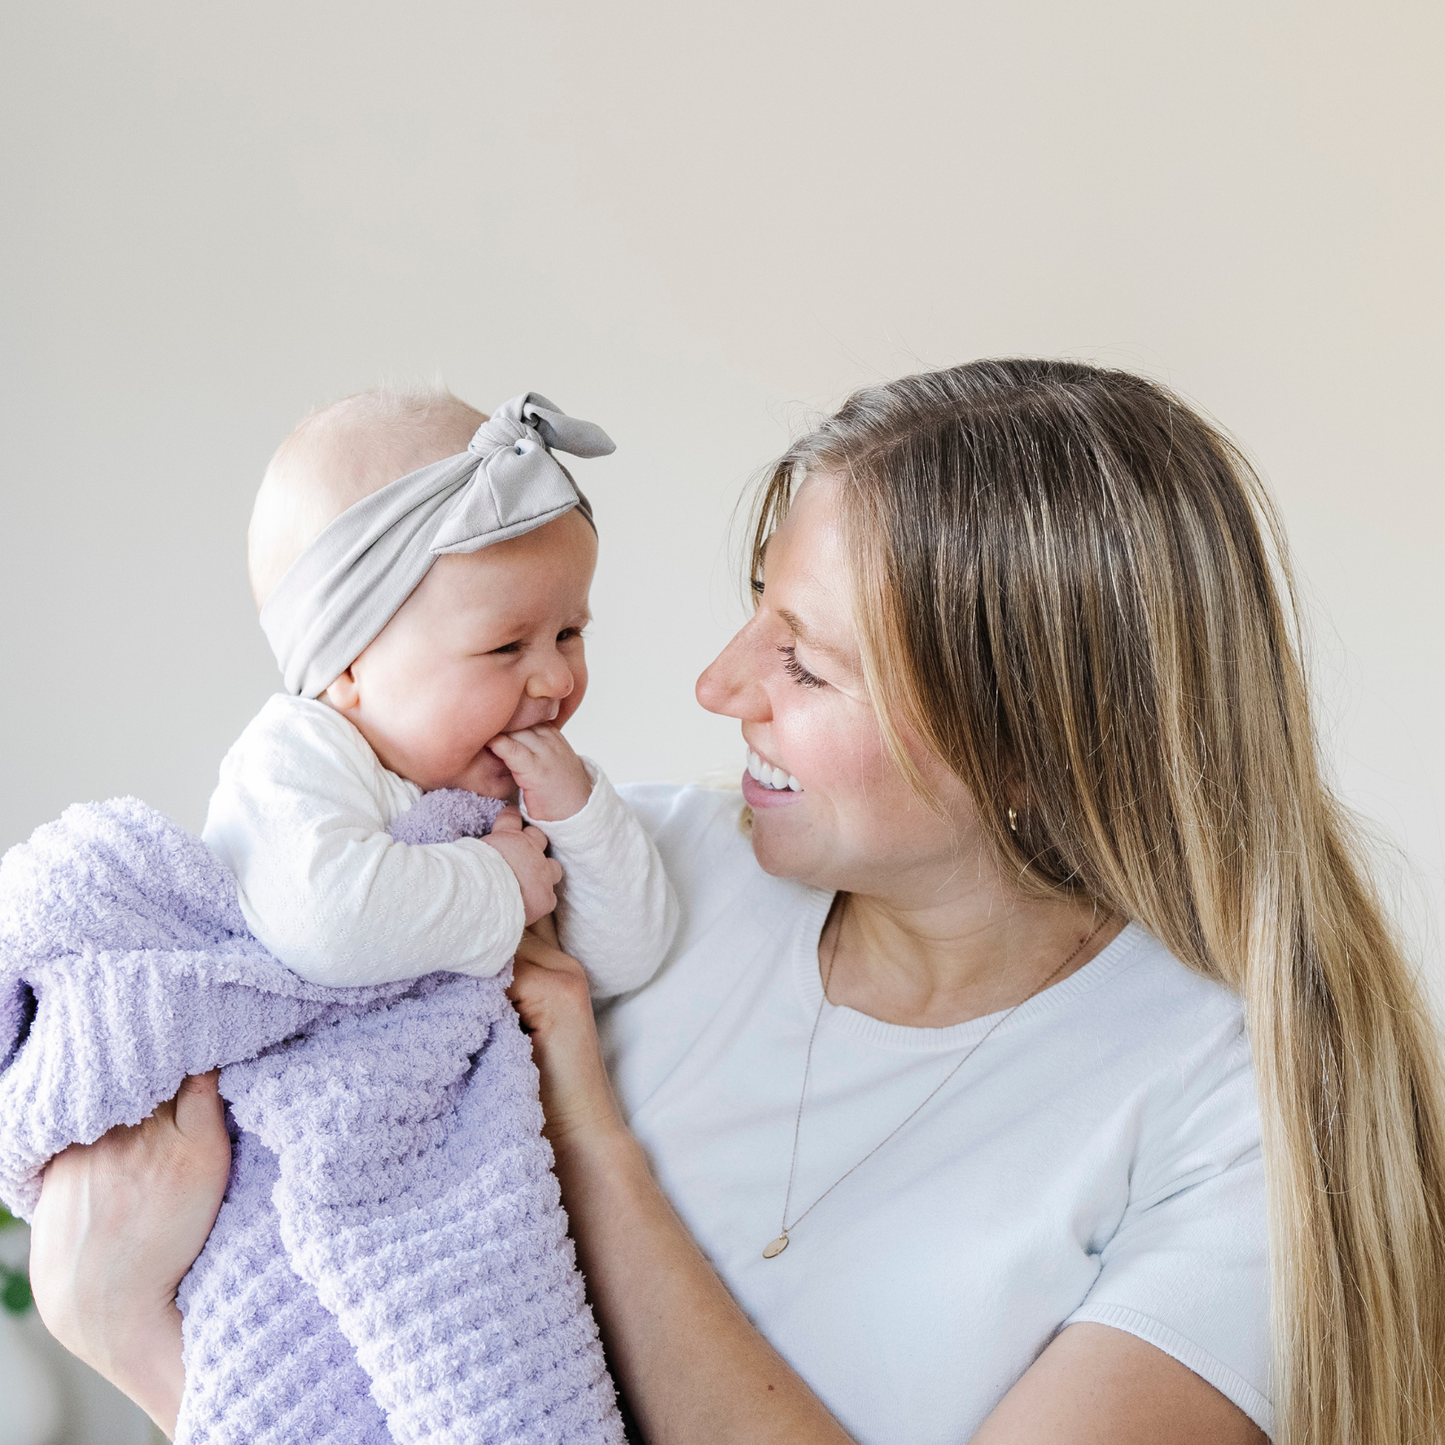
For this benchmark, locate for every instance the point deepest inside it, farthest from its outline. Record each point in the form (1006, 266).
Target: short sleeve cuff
(1230, 1383)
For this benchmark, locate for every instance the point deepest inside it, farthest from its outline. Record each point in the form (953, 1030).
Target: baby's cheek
(565, 709)
(474, 710)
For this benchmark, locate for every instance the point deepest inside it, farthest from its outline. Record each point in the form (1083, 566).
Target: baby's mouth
(495, 761)
(763, 772)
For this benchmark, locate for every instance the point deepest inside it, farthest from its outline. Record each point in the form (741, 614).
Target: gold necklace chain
(775, 1247)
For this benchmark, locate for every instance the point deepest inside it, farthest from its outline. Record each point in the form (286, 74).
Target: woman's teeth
(765, 773)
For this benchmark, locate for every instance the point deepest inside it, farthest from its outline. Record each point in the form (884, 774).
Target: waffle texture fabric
(391, 1261)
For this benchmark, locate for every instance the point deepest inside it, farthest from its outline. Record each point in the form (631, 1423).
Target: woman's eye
(797, 671)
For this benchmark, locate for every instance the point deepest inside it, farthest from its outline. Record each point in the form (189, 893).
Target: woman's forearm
(690, 1363)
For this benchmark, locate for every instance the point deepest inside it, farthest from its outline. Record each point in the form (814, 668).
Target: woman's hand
(550, 992)
(119, 1223)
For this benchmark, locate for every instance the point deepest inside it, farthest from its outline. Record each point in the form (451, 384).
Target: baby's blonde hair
(341, 453)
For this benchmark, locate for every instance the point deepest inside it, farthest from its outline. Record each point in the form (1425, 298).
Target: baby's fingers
(514, 749)
(510, 820)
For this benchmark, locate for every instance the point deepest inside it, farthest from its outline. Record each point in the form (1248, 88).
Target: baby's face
(489, 643)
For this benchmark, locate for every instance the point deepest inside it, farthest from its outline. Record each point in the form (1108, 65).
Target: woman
(953, 1112)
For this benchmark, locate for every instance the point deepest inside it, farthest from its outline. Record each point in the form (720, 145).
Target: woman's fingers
(199, 1112)
(544, 929)
(548, 979)
(549, 989)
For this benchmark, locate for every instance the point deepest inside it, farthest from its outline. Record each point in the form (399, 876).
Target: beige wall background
(696, 225)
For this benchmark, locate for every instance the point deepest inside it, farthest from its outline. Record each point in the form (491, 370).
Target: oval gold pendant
(773, 1250)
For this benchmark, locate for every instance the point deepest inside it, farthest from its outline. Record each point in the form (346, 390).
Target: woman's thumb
(199, 1109)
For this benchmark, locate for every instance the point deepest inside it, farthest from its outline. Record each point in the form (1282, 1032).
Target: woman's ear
(343, 694)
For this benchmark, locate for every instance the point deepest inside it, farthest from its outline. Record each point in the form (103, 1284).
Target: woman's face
(793, 678)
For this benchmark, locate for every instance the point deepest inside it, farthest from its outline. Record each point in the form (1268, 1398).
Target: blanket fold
(391, 1262)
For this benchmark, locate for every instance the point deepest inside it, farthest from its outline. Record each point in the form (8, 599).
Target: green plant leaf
(15, 1291)
(6, 1218)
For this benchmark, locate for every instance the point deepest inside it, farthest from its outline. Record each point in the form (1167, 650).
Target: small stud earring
(1013, 821)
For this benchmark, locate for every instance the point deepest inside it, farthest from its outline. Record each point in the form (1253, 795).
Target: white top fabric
(1098, 1158)
(300, 818)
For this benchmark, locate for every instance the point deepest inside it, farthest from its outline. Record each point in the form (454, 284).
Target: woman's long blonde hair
(1065, 584)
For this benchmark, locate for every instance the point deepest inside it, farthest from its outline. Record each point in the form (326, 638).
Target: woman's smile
(768, 775)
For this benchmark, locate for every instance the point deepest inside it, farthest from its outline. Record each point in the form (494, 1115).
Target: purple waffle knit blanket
(391, 1262)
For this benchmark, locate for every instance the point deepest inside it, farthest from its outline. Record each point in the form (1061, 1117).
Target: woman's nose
(730, 685)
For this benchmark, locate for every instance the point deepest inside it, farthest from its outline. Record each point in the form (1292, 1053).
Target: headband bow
(352, 579)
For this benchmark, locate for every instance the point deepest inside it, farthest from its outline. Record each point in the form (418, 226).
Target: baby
(422, 573)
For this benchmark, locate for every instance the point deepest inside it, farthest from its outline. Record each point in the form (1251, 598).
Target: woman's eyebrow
(808, 638)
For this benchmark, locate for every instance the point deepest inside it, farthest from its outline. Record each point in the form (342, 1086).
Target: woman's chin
(779, 833)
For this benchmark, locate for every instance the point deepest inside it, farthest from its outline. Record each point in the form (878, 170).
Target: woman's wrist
(601, 1143)
(148, 1366)
(584, 1118)
(92, 1303)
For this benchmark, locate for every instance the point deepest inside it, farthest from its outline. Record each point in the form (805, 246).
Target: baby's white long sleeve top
(300, 817)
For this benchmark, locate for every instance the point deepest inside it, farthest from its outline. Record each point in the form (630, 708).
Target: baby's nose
(553, 683)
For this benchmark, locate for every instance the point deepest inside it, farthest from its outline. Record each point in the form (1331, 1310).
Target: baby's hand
(525, 852)
(553, 781)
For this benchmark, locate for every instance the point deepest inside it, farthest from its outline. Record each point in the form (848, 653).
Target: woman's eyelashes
(797, 671)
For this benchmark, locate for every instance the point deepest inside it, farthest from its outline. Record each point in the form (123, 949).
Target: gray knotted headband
(349, 583)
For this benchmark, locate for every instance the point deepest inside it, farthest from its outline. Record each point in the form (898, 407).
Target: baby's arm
(616, 910)
(300, 819)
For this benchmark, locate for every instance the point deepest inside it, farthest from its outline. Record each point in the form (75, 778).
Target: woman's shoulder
(1155, 997)
(1177, 1042)
(698, 830)
(683, 805)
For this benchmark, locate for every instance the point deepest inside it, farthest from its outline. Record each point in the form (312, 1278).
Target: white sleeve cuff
(590, 822)
(616, 910)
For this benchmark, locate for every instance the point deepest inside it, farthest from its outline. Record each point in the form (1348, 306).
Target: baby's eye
(797, 671)
(568, 633)
(510, 647)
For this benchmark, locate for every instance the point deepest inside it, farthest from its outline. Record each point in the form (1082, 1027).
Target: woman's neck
(948, 960)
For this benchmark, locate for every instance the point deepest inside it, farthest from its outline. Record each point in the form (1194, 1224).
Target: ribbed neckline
(869, 1030)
